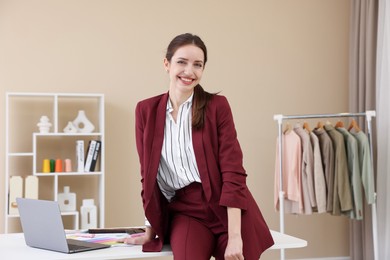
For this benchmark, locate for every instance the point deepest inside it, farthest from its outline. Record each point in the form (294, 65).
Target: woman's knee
(190, 239)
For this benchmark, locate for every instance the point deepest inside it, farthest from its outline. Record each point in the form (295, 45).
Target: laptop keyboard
(73, 247)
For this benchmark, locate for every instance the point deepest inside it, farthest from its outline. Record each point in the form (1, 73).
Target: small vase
(70, 128)
(82, 123)
(67, 200)
(88, 214)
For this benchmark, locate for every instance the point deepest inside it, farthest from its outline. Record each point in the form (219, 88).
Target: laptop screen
(42, 224)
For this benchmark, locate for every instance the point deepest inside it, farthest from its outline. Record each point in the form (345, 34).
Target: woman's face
(185, 68)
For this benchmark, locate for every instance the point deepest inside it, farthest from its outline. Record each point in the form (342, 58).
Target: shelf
(34, 94)
(69, 213)
(67, 173)
(66, 134)
(26, 148)
(20, 154)
(63, 213)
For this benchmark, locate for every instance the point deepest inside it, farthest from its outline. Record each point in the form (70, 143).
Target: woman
(193, 183)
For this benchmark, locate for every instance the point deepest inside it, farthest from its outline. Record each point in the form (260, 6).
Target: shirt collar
(169, 104)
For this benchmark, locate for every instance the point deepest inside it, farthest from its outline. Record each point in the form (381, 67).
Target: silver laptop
(43, 228)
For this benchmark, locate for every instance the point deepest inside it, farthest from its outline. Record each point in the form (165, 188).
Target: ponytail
(201, 98)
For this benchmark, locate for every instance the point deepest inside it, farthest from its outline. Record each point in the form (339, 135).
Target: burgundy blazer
(219, 158)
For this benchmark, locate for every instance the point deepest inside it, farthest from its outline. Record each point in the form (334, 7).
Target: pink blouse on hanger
(292, 182)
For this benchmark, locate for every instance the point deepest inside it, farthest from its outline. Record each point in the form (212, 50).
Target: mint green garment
(354, 173)
(367, 172)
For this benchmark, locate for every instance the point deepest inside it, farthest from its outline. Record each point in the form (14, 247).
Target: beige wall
(267, 57)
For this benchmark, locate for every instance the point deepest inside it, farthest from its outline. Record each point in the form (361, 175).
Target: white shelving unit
(26, 148)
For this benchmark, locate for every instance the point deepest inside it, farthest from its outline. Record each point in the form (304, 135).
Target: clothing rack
(279, 118)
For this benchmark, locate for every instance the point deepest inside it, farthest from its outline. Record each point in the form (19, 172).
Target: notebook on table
(127, 230)
(43, 227)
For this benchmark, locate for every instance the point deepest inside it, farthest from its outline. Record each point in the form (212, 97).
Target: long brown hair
(201, 97)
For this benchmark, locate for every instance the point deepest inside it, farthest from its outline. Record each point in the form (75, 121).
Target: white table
(283, 241)
(12, 247)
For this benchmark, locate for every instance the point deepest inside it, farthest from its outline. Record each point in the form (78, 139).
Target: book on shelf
(89, 155)
(92, 155)
(95, 155)
(80, 155)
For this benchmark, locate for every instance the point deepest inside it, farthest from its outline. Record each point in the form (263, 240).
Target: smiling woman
(182, 50)
(193, 181)
(185, 70)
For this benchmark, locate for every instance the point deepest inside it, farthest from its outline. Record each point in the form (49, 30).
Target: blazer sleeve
(234, 189)
(139, 132)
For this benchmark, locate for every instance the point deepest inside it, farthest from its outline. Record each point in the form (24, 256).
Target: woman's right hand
(140, 238)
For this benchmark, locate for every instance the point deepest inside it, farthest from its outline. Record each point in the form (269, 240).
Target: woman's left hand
(234, 249)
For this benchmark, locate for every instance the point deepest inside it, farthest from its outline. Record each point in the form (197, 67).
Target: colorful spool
(68, 165)
(46, 166)
(59, 165)
(52, 165)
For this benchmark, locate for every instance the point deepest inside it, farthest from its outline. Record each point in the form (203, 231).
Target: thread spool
(46, 166)
(59, 165)
(68, 165)
(52, 165)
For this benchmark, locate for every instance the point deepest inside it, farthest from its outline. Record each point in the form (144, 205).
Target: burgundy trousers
(196, 233)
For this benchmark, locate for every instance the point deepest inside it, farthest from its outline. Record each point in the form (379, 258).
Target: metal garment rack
(279, 118)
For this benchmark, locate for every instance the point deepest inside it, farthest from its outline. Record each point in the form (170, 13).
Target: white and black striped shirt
(178, 166)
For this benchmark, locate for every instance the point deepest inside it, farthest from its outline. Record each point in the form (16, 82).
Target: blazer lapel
(155, 153)
(197, 142)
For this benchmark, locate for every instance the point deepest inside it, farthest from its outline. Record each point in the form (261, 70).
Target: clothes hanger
(306, 126)
(354, 125)
(287, 128)
(320, 125)
(339, 124)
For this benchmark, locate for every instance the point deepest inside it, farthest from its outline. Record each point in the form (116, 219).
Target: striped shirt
(178, 166)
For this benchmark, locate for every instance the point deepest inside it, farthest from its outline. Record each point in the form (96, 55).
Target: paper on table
(112, 239)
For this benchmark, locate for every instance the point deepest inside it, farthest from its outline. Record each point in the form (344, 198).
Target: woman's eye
(198, 65)
(181, 62)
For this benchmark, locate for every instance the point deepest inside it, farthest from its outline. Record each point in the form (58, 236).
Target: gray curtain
(363, 35)
(383, 124)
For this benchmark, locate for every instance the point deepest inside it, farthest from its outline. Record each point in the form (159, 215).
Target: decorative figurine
(82, 123)
(44, 125)
(70, 128)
